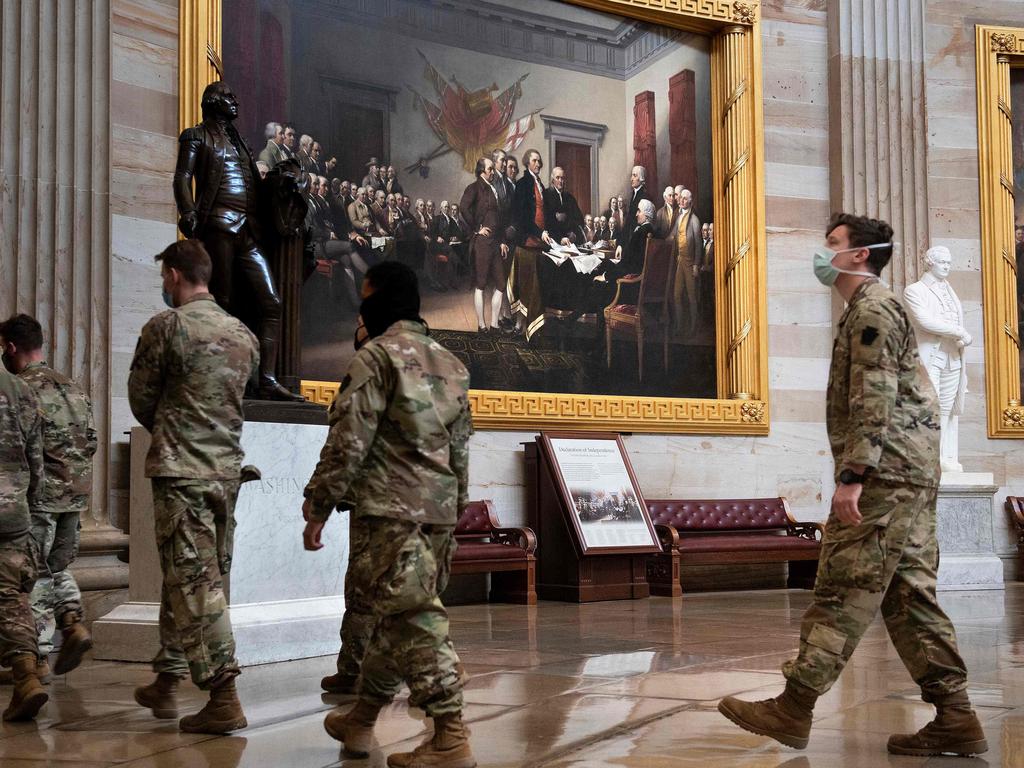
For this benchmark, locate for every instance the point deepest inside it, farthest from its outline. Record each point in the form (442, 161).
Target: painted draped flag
(473, 122)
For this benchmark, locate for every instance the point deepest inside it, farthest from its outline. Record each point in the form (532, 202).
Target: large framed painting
(579, 187)
(1000, 61)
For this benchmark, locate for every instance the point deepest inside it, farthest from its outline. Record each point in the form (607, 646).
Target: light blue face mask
(827, 273)
(168, 299)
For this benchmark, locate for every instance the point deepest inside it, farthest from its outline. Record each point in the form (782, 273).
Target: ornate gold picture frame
(740, 256)
(999, 49)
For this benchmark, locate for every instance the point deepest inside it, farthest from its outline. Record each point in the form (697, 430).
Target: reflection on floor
(606, 684)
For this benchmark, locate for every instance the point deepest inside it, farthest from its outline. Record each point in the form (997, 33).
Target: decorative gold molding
(998, 49)
(744, 13)
(1003, 42)
(1013, 417)
(199, 59)
(693, 14)
(753, 411)
(739, 212)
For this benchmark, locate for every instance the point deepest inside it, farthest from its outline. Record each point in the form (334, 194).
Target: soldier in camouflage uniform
(21, 483)
(69, 442)
(397, 453)
(879, 549)
(186, 385)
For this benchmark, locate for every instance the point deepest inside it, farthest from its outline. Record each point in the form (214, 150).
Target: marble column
(878, 134)
(55, 213)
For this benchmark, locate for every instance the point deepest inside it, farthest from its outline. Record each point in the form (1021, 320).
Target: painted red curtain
(645, 151)
(682, 130)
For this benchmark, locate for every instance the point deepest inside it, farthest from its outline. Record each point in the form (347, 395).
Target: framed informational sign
(599, 493)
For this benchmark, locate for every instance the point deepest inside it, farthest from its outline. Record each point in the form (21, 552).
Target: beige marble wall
(144, 127)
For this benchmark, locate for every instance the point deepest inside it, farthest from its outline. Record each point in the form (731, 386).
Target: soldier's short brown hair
(865, 231)
(23, 331)
(190, 258)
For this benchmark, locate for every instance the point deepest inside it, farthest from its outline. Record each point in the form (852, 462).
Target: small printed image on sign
(605, 506)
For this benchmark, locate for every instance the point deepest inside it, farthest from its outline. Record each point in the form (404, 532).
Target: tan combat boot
(786, 718)
(42, 672)
(77, 641)
(955, 730)
(341, 684)
(222, 713)
(159, 696)
(449, 747)
(354, 728)
(29, 695)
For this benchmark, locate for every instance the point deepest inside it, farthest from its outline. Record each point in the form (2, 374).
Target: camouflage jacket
(399, 430)
(186, 384)
(882, 410)
(69, 439)
(21, 455)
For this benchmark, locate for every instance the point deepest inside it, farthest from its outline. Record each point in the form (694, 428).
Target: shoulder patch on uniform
(868, 335)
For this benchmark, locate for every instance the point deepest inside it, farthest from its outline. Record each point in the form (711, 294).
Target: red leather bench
(506, 553)
(725, 531)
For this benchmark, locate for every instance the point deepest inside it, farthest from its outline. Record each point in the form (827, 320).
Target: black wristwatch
(849, 477)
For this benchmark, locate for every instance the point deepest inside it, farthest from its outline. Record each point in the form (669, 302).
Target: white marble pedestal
(967, 546)
(286, 603)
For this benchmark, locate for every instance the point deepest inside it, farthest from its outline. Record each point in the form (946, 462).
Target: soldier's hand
(311, 536)
(845, 503)
(307, 507)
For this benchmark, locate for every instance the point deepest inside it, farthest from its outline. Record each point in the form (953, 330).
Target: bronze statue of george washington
(224, 213)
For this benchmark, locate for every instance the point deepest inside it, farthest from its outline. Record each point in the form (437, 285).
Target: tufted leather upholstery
(476, 550)
(719, 515)
(474, 520)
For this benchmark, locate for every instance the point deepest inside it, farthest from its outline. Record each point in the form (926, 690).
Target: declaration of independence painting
(545, 169)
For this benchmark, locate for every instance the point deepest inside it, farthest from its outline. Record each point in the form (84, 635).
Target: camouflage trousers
(194, 522)
(56, 592)
(400, 568)
(889, 561)
(18, 563)
(359, 619)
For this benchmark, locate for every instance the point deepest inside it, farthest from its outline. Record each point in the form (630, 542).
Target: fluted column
(877, 128)
(1009, 366)
(733, 104)
(54, 194)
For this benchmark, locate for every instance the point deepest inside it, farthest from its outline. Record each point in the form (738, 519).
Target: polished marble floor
(605, 684)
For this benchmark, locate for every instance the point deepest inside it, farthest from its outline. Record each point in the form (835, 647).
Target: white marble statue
(938, 321)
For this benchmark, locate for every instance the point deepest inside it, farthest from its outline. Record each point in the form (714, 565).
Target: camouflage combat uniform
(21, 484)
(397, 453)
(69, 442)
(882, 412)
(187, 379)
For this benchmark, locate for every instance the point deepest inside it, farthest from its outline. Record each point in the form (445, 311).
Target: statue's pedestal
(965, 529)
(286, 603)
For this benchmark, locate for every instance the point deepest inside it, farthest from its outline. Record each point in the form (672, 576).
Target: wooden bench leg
(802, 574)
(663, 575)
(515, 586)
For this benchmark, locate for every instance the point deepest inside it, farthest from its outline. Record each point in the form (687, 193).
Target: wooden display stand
(567, 569)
